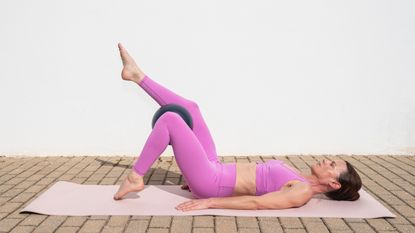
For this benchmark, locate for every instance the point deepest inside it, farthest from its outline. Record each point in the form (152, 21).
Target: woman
(270, 185)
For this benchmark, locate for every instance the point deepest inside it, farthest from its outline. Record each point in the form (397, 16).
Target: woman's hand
(197, 204)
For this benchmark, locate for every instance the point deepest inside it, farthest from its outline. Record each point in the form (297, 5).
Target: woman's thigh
(202, 175)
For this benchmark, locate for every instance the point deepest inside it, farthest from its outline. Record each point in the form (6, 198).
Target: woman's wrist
(211, 202)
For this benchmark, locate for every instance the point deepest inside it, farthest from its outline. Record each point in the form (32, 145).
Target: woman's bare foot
(131, 71)
(185, 186)
(133, 183)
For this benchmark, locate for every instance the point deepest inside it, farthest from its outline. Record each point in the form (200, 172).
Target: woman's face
(328, 170)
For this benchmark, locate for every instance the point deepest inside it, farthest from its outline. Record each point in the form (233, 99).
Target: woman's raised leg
(164, 96)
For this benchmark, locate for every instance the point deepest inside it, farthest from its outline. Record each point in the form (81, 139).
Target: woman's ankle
(134, 176)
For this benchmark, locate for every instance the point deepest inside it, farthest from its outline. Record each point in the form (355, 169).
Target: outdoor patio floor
(390, 179)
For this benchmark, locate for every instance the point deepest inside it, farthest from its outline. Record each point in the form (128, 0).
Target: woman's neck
(316, 186)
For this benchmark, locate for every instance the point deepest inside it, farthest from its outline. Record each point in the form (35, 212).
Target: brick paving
(390, 179)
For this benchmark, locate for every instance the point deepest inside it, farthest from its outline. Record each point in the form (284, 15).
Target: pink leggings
(194, 150)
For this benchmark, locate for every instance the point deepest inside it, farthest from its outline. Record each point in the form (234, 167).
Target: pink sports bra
(272, 175)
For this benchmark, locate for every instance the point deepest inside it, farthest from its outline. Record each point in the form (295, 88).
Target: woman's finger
(186, 203)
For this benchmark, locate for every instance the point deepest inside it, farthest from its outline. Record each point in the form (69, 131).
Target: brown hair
(350, 184)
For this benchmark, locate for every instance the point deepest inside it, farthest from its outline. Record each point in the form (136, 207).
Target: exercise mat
(72, 199)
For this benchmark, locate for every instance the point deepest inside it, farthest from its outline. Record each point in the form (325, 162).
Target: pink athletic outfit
(272, 175)
(195, 151)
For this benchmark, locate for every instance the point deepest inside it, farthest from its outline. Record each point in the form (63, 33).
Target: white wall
(271, 77)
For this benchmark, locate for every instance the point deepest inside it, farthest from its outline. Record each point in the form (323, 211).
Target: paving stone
(203, 221)
(247, 222)
(15, 180)
(67, 230)
(295, 231)
(12, 192)
(10, 207)
(111, 229)
(8, 224)
(405, 210)
(358, 220)
(25, 184)
(92, 226)
(336, 224)
(270, 226)
(203, 230)
(361, 227)
(118, 220)
(312, 220)
(248, 230)
(160, 221)
(287, 222)
(137, 226)
(405, 228)
(399, 219)
(16, 214)
(76, 221)
(22, 229)
(181, 224)
(50, 224)
(4, 178)
(316, 227)
(22, 197)
(35, 177)
(3, 215)
(157, 230)
(33, 220)
(35, 189)
(380, 225)
(225, 224)
(5, 187)
(108, 181)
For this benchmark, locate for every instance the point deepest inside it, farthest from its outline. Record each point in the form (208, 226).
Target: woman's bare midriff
(245, 179)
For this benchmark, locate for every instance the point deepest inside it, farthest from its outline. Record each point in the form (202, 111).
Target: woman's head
(342, 180)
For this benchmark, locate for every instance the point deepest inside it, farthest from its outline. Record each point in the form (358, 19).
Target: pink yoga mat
(72, 199)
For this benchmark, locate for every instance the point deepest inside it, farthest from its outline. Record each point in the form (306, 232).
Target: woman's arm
(239, 202)
(295, 196)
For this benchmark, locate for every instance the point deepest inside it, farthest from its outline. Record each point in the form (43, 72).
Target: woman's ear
(335, 185)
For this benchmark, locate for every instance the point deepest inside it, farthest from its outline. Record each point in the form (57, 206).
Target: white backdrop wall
(271, 77)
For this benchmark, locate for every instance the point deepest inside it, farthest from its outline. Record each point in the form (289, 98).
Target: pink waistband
(228, 175)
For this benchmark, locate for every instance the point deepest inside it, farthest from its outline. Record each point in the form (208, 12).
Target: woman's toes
(130, 184)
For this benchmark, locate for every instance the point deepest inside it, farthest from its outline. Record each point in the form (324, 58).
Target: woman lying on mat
(270, 185)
